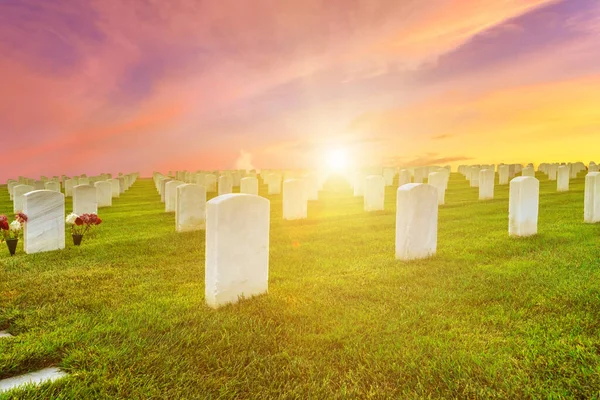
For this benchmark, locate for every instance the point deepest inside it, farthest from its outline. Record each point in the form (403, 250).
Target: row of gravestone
(45, 210)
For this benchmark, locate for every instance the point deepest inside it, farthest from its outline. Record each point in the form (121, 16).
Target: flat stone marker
(404, 177)
(249, 185)
(562, 179)
(103, 193)
(33, 378)
(374, 199)
(438, 181)
(237, 248)
(416, 221)
(171, 195)
(523, 206)
(295, 204)
(45, 227)
(18, 193)
(225, 184)
(591, 206)
(85, 199)
(486, 184)
(190, 208)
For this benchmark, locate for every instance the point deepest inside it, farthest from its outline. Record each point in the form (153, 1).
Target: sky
(92, 86)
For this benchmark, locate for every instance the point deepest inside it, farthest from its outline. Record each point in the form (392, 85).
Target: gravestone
(552, 170)
(11, 186)
(474, 182)
(503, 171)
(374, 196)
(562, 179)
(274, 184)
(69, 183)
(438, 181)
(225, 184)
(591, 205)
(249, 185)
(115, 188)
(190, 209)
(85, 200)
(528, 171)
(523, 206)
(420, 174)
(210, 181)
(163, 182)
(486, 184)
(18, 193)
(237, 248)
(83, 181)
(171, 195)
(389, 174)
(51, 185)
(416, 221)
(294, 199)
(45, 226)
(103, 193)
(122, 184)
(39, 185)
(404, 177)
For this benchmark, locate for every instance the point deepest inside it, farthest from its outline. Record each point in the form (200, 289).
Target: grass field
(488, 316)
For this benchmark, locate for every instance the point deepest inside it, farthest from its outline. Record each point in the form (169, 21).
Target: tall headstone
(45, 227)
(85, 200)
(438, 181)
(18, 193)
(103, 193)
(190, 210)
(249, 185)
(163, 183)
(562, 179)
(552, 170)
(486, 184)
(171, 195)
(374, 197)
(237, 248)
(225, 184)
(591, 206)
(115, 188)
(294, 199)
(274, 184)
(416, 221)
(503, 171)
(404, 177)
(523, 205)
(474, 176)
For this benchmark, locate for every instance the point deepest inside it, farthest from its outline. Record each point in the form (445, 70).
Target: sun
(337, 159)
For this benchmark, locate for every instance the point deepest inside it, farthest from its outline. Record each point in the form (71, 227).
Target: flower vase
(12, 245)
(77, 239)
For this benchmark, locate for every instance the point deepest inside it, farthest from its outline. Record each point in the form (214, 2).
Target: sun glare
(337, 160)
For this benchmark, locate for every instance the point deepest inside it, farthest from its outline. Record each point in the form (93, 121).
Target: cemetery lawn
(488, 316)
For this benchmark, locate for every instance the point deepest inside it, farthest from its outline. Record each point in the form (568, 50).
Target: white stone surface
(562, 179)
(591, 206)
(237, 248)
(162, 183)
(4, 334)
(171, 195)
(420, 174)
(190, 210)
(438, 181)
(593, 168)
(225, 184)
(249, 185)
(45, 227)
(404, 177)
(210, 181)
(32, 378)
(474, 174)
(85, 199)
(103, 193)
(374, 197)
(416, 221)
(51, 185)
(523, 205)
(115, 187)
(83, 181)
(486, 184)
(552, 171)
(295, 204)
(528, 171)
(18, 193)
(274, 184)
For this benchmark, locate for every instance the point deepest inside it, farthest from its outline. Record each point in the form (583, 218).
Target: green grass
(488, 316)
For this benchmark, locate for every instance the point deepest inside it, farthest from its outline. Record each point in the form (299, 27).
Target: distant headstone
(115, 188)
(45, 227)
(591, 207)
(225, 184)
(18, 193)
(474, 182)
(404, 177)
(103, 193)
(171, 195)
(190, 209)
(274, 184)
(528, 171)
(52, 185)
(210, 181)
(562, 179)
(523, 206)
(85, 200)
(438, 181)
(249, 185)
(416, 221)
(374, 197)
(486, 184)
(503, 171)
(237, 248)
(83, 180)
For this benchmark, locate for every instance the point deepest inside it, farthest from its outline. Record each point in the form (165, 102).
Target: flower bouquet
(11, 232)
(81, 224)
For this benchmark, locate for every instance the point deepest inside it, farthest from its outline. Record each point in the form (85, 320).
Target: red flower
(3, 218)
(78, 221)
(98, 221)
(22, 217)
(4, 224)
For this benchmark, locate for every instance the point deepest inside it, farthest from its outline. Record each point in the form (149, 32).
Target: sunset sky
(142, 85)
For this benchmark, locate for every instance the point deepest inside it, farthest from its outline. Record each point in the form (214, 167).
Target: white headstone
(374, 196)
(474, 176)
(210, 181)
(115, 188)
(225, 184)
(190, 210)
(249, 185)
(416, 221)
(171, 195)
(528, 171)
(18, 193)
(274, 184)
(237, 248)
(295, 204)
(83, 181)
(103, 193)
(404, 177)
(523, 206)
(163, 183)
(438, 181)
(45, 226)
(85, 200)
(486, 184)
(552, 170)
(51, 185)
(562, 179)
(591, 206)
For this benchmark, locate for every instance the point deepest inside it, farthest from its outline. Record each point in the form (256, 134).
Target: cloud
(244, 161)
